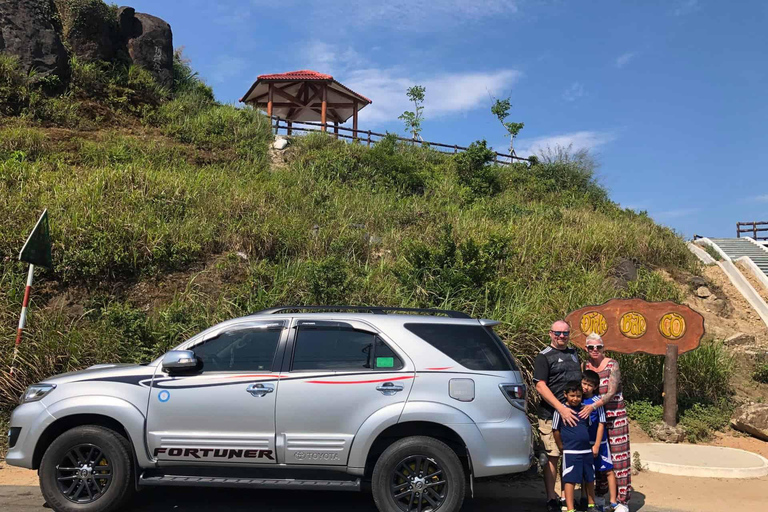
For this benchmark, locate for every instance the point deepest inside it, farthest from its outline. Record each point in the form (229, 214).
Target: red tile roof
(303, 74)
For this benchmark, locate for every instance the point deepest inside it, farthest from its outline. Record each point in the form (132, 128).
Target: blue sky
(669, 95)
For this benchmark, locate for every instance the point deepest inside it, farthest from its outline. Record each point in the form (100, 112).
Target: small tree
(413, 119)
(500, 109)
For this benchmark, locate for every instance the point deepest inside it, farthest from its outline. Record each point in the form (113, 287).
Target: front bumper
(32, 418)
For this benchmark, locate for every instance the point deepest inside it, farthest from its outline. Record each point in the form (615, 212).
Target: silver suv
(412, 406)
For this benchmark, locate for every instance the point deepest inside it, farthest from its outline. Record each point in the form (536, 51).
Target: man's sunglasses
(594, 347)
(561, 333)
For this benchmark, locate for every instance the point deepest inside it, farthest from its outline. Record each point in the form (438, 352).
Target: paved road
(517, 496)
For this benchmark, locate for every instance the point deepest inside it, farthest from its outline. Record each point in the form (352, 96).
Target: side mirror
(180, 361)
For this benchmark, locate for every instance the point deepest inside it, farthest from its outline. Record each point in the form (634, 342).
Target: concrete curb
(712, 461)
(749, 293)
(746, 260)
(700, 253)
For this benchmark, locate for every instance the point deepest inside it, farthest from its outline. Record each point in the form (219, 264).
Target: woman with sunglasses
(612, 400)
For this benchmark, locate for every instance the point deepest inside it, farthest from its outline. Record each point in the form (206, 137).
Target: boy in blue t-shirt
(573, 441)
(590, 383)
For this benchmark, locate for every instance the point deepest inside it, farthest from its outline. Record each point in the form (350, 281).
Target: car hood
(102, 371)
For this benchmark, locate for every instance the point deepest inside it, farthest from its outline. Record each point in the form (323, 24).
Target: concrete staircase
(738, 247)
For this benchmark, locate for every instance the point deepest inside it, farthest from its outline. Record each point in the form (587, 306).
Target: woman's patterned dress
(618, 434)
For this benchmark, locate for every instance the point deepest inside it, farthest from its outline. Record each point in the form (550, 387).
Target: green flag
(37, 249)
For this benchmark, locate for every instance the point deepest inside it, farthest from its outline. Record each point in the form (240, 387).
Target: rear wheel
(418, 474)
(87, 469)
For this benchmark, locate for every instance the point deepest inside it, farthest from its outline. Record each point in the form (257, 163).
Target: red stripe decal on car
(271, 376)
(358, 381)
(441, 368)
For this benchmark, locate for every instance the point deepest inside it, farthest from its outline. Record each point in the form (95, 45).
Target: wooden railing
(369, 137)
(753, 228)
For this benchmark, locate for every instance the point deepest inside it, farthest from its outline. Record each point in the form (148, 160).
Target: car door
(335, 376)
(226, 411)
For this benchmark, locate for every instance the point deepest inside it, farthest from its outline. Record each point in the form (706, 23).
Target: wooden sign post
(634, 325)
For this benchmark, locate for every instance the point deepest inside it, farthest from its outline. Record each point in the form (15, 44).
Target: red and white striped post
(23, 318)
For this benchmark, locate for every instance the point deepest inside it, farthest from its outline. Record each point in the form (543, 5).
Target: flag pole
(23, 318)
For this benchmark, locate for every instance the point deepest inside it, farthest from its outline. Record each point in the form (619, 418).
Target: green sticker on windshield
(385, 362)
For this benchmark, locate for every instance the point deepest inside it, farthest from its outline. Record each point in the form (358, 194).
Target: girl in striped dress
(612, 401)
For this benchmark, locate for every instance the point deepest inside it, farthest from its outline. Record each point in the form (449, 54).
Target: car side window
(336, 347)
(239, 350)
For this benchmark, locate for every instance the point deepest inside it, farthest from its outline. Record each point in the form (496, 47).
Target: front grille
(13, 436)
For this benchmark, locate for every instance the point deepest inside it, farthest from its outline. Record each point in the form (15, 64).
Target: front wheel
(87, 469)
(418, 474)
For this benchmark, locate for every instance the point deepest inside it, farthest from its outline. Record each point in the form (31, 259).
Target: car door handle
(258, 390)
(389, 389)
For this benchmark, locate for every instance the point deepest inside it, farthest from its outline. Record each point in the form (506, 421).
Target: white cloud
(398, 14)
(445, 94)
(228, 67)
(761, 199)
(623, 59)
(686, 7)
(675, 214)
(329, 58)
(575, 140)
(574, 92)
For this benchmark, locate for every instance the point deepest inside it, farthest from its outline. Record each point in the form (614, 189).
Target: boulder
(666, 434)
(626, 270)
(28, 30)
(149, 41)
(90, 28)
(752, 419)
(697, 281)
(740, 338)
(280, 143)
(703, 292)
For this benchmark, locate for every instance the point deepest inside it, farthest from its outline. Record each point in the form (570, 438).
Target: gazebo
(306, 95)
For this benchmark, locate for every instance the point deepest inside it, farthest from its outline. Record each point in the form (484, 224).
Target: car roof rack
(378, 310)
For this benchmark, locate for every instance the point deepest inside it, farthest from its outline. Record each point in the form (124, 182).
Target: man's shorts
(578, 466)
(603, 461)
(548, 438)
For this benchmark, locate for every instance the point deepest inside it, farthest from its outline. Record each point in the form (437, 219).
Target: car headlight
(36, 392)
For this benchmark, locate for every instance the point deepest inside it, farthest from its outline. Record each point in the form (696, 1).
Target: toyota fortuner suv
(410, 406)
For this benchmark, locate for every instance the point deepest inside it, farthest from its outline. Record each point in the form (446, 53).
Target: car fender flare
(122, 411)
(390, 415)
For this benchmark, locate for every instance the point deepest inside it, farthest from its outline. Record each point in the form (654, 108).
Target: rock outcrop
(34, 30)
(149, 41)
(28, 30)
(752, 419)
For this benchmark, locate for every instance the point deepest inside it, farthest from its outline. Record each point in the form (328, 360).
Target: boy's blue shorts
(603, 461)
(578, 466)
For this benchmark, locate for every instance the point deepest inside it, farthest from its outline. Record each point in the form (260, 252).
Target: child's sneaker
(621, 508)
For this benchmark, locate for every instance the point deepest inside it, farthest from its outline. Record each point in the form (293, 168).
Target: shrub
(699, 421)
(645, 413)
(703, 375)
(474, 170)
(760, 374)
(186, 80)
(14, 86)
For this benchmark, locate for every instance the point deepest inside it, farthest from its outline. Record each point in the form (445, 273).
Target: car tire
(75, 477)
(412, 469)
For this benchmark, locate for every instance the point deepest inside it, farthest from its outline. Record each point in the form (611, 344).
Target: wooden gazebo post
(324, 107)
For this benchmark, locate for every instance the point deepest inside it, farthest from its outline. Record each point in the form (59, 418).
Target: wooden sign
(635, 325)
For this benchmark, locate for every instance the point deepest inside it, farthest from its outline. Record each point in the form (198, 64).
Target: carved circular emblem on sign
(633, 324)
(672, 326)
(593, 322)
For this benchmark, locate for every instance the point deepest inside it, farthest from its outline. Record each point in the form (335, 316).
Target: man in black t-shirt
(554, 367)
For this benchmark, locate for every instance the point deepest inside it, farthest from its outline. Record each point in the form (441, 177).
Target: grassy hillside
(168, 215)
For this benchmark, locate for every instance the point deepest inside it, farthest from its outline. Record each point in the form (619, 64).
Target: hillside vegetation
(167, 216)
